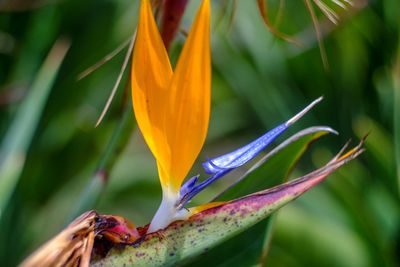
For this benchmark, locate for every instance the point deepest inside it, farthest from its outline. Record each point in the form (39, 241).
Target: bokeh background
(61, 164)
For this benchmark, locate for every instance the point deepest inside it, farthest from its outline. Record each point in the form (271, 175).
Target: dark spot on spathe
(140, 254)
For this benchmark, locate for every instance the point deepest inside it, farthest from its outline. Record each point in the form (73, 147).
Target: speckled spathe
(184, 239)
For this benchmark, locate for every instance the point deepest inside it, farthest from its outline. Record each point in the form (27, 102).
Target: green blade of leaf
(20, 134)
(183, 240)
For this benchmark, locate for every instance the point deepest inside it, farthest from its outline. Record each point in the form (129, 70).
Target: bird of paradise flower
(172, 109)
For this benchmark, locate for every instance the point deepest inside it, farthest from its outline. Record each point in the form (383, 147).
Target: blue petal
(244, 154)
(198, 188)
(188, 185)
(222, 165)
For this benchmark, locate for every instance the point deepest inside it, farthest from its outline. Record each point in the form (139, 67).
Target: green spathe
(183, 240)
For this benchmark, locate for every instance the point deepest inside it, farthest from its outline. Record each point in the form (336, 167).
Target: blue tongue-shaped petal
(188, 185)
(222, 165)
(246, 153)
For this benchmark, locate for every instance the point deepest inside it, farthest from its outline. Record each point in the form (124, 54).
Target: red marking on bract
(118, 229)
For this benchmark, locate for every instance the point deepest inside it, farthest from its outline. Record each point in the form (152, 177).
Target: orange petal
(151, 75)
(172, 110)
(189, 98)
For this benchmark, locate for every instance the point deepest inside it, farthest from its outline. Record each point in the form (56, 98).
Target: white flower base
(167, 213)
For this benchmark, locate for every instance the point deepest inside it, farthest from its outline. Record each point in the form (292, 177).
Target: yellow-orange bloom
(172, 108)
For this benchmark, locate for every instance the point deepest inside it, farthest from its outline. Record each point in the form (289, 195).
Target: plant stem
(98, 182)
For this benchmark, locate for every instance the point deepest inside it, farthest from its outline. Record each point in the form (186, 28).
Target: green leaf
(19, 136)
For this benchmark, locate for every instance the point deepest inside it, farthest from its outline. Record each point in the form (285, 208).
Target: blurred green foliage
(258, 81)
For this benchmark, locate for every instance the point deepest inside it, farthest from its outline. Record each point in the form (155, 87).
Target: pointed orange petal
(189, 106)
(151, 75)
